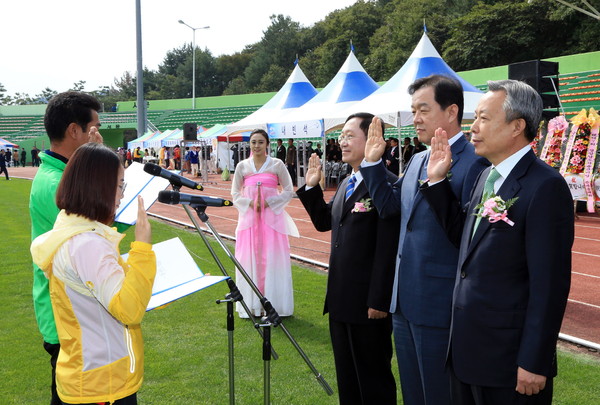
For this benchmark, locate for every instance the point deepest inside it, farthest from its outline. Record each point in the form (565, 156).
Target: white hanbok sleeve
(239, 201)
(277, 203)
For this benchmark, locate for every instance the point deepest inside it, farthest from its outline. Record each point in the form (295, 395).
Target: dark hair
(66, 108)
(446, 90)
(262, 132)
(366, 118)
(89, 184)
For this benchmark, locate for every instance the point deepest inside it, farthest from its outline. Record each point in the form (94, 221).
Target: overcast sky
(57, 43)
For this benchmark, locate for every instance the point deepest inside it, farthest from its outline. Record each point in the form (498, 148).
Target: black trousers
(363, 362)
(467, 394)
(53, 350)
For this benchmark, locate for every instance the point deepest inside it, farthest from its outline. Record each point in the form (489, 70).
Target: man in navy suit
(360, 274)
(514, 269)
(422, 295)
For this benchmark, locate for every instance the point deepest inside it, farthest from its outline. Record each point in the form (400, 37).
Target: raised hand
(313, 174)
(94, 135)
(375, 146)
(440, 157)
(143, 232)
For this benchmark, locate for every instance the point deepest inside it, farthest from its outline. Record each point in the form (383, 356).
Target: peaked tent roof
(140, 141)
(349, 85)
(7, 144)
(392, 102)
(296, 91)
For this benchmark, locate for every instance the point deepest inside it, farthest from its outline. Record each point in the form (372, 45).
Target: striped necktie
(488, 190)
(350, 186)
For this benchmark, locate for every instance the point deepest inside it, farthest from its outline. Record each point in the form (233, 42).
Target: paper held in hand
(177, 275)
(142, 183)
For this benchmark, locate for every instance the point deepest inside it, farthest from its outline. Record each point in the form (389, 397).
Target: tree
(45, 96)
(273, 79)
(236, 86)
(174, 58)
(126, 86)
(393, 42)
(78, 86)
(354, 24)
(508, 32)
(5, 99)
(230, 67)
(279, 47)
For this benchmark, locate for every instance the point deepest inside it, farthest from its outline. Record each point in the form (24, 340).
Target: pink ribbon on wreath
(568, 150)
(594, 121)
(556, 128)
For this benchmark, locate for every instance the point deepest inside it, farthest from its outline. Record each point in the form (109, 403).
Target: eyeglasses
(346, 138)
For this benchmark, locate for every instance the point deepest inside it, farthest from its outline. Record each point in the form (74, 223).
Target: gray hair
(522, 101)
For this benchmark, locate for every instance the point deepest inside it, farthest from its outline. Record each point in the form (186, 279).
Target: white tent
(140, 141)
(350, 84)
(296, 91)
(392, 102)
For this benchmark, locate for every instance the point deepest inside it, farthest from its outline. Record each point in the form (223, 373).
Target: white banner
(305, 129)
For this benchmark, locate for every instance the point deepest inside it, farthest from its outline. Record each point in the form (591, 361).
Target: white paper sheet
(142, 183)
(177, 275)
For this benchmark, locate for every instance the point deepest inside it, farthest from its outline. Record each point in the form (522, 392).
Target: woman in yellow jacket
(98, 299)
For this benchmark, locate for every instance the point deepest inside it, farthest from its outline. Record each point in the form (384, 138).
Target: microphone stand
(234, 295)
(271, 316)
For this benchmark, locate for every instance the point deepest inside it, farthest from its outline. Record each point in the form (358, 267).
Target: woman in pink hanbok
(262, 245)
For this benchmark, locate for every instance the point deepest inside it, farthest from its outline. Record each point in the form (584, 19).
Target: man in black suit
(291, 159)
(280, 150)
(361, 274)
(392, 159)
(514, 268)
(419, 146)
(407, 151)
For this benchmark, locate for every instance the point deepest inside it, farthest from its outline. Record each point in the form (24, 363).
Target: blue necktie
(350, 186)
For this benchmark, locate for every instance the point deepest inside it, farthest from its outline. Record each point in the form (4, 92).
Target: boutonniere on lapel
(495, 209)
(363, 205)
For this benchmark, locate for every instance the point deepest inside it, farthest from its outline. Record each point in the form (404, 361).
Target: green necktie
(488, 189)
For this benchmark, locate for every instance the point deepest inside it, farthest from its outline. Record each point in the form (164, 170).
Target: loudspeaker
(190, 131)
(535, 73)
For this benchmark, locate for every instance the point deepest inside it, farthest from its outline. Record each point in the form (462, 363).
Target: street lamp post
(193, 60)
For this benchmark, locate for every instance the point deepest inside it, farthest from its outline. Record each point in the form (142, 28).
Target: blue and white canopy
(349, 85)
(392, 102)
(296, 91)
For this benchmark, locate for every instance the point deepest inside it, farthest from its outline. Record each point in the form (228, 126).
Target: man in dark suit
(422, 294)
(291, 159)
(514, 269)
(392, 160)
(360, 274)
(280, 150)
(407, 151)
(419, 147)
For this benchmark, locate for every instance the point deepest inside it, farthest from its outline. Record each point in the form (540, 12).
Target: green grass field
(186, 342)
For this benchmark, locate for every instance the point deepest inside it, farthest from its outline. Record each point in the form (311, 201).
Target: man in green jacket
(71, 120)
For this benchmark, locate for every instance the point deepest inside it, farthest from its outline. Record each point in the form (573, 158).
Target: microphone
(173, 197)
(175, 179)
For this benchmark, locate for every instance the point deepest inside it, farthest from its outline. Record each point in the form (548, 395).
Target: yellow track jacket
(98, 302)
